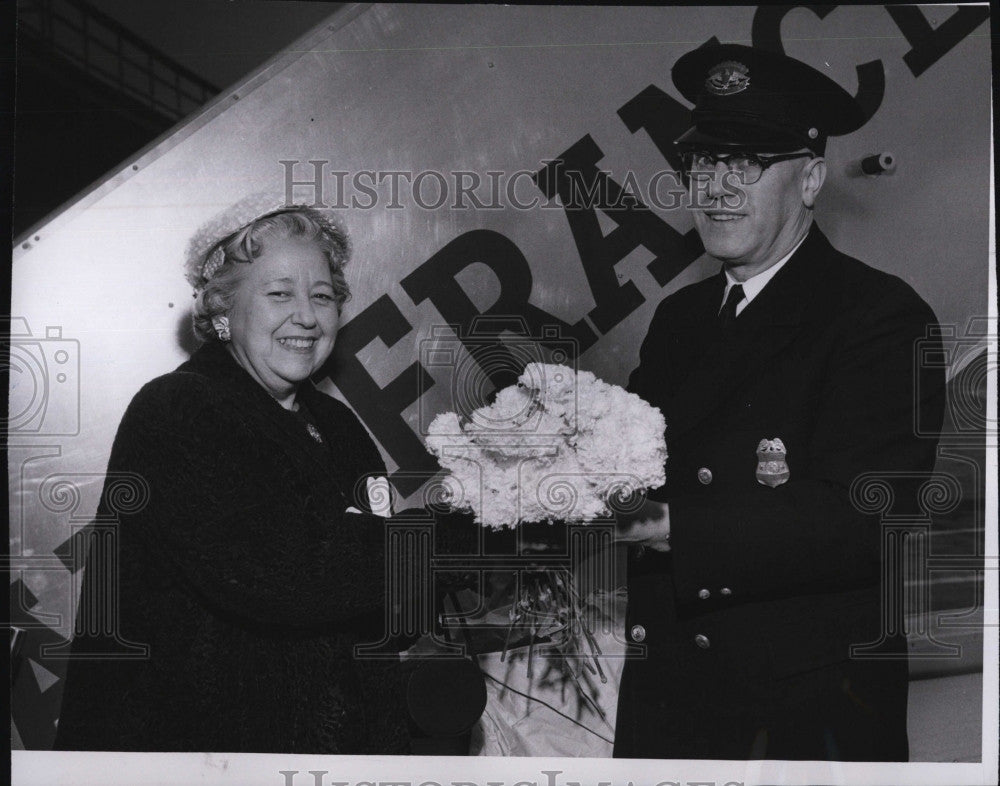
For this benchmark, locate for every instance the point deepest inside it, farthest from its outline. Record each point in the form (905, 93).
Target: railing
(104, 49)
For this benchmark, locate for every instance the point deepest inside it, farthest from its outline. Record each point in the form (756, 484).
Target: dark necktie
(728, 313)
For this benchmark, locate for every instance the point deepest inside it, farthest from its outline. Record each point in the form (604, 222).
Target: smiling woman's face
(285, 316)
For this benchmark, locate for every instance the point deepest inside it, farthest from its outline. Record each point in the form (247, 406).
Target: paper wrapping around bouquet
(514, 725)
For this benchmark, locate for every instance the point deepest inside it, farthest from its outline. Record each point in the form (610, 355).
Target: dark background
(96, 81)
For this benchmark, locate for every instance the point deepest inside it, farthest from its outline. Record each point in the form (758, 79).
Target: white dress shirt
(753, 285)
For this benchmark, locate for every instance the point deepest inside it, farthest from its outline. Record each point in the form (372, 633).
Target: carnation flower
(558, 445)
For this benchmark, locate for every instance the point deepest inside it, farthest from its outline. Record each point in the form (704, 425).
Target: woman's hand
(649, 526)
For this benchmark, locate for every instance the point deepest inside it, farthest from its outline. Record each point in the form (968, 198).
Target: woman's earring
(221, 325)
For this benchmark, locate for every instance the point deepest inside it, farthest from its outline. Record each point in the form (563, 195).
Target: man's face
(750, 227)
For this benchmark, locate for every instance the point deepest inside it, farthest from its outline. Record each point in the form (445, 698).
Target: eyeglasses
(700, 164)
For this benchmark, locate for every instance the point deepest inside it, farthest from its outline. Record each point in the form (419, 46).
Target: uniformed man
(783, 379)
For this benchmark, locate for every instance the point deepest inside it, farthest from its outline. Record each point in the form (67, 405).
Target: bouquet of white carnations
(559, 446)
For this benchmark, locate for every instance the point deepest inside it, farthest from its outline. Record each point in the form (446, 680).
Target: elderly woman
(257, 564)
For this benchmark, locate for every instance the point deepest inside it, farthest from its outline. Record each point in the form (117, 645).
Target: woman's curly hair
(242, 247)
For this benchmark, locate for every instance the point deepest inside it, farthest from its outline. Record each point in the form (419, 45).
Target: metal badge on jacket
(771, 467)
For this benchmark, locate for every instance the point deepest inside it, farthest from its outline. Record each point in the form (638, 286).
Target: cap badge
(771, 467)
(728, 78)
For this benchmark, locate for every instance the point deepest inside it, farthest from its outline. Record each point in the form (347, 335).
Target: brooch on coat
(314, 433)
(771, 467)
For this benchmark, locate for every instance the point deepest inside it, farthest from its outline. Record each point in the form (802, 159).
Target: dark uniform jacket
(241, 571)
(748, 621)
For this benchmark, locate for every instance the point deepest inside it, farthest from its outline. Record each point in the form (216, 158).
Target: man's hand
(648, 526)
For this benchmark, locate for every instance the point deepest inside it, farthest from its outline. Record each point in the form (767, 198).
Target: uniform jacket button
(702, 641)
(704, 476)
(725, 592)
(704, 594)
(638, 633)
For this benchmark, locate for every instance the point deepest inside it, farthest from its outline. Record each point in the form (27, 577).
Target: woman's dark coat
(241, 576)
